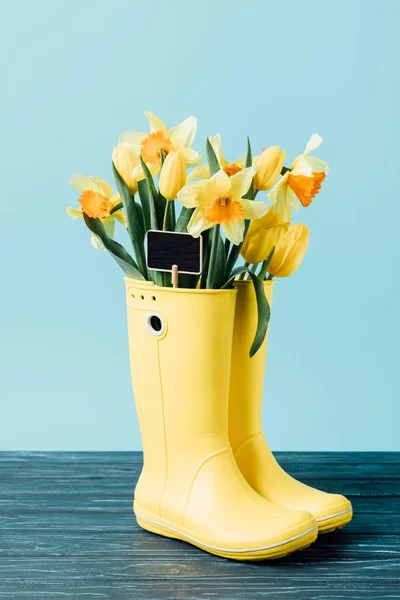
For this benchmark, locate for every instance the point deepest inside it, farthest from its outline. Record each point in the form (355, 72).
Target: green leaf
(206, 255)
(188, 281)
(212, 159)
(118, 252)
(263, 308)
(160, 203)
(116, 208)
(227, 247)
(250, 195)
(156, 213)
(162, 158)
(220, 264)
(214, 255)
(235, 251)
(266, 263)
(183, 219)
(135, 221)
(169, 224)
(217, 264)
(145, 202)
(249, 156)
(169, 216)
(156, 201)
(151, 193)
(172, 216)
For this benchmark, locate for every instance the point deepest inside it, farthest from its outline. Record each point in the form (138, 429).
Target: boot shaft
(180, 351)
(247, 374)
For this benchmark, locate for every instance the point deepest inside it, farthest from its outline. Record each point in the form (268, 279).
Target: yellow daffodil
(302, 182)
(290, 251)
(269, 167)
(230, 169)
(173, 175)
(128, 167)
(148, 145)
(262, 236)
(220, 200)
(97, 201)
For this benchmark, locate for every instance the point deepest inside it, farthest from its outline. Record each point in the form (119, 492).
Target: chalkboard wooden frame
(176, 260)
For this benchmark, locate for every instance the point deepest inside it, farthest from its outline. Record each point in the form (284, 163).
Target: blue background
(76, 74)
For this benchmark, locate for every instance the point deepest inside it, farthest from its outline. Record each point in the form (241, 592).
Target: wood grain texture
(67, 531)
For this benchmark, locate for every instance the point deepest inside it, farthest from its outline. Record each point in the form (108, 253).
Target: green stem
(227, 247)
(213, 256)
(241, 276)
(204, 269)
(263, 270)
(116, 207)
(270, 277)
(252, 268)
(235, 250)
(166, 213)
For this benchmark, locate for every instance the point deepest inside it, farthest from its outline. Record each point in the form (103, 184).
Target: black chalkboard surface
(166, 248)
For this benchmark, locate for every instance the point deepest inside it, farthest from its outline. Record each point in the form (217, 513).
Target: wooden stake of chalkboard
(175, 276)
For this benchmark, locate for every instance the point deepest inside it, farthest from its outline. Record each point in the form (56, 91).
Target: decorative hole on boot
(142, 297)
(133, 295)
(155, 324)
(154, 298)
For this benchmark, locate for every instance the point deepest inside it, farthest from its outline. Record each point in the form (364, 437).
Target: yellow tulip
(173, 175)
(290, 251)
(126, 165)
(269, 166)
(262, 236)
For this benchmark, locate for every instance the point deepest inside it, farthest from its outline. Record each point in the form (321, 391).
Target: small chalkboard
(165, 249)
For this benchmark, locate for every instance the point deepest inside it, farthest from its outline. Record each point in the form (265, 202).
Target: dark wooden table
(67, 531)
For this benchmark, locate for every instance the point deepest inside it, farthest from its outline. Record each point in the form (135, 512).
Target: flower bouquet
(198, 350)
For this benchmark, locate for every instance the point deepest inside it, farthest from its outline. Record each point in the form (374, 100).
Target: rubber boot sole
(273, 551)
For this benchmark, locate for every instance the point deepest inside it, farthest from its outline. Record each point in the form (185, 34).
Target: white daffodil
(303, 181)
(97, 201)
(230, 169)
(220, 200)
(178, 138)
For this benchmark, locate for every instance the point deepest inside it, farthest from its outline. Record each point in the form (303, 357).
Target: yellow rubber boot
(190, 487)
(250, 449)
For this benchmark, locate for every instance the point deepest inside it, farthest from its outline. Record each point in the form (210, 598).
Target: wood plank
(367, 487)
(122, 503)
(169, 589)
(54, 544)
(196, 566)
(39, 521)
